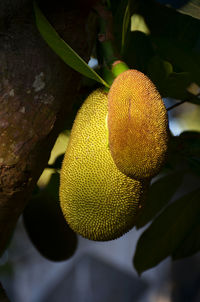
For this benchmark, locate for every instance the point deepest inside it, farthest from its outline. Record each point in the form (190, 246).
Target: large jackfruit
(138, 125)
(98, 201)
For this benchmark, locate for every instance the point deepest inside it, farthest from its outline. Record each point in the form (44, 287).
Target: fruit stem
(119, 67)
(106, 39)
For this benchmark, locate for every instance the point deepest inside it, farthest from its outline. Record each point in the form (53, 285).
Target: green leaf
(52, 187)
(181, 57)
(158, 71)
(62, 49)
(118, 12)
(175, 37)
(138, 24)
(108, 4)
(191, 8)
(188, 146)
(184, 152)
(167, 231)
(195, 164)
(125, 25)
(46, 225)
(170, 24)
(189, 143)
(138, 50)
(107, 75)
(57, 163)
(176, 84)
(190, 245)
(194, 99)
(169, 83)
(159, 194)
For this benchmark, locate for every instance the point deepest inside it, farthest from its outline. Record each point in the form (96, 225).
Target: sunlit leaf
(57, 163)
(138, 23)
(167, 231)
(191, 8)
(62, 49)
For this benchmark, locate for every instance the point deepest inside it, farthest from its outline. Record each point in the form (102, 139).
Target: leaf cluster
(166, 48)
(172, 207)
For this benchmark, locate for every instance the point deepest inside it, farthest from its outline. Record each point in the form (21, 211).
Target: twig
(182, 102)
(176, 105)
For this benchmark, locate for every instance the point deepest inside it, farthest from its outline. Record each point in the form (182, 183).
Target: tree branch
(176, 105)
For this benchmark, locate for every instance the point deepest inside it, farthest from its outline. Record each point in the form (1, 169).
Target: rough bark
(37, 91)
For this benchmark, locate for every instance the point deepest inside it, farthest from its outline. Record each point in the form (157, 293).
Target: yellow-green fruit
(98, 201)
(138, 125)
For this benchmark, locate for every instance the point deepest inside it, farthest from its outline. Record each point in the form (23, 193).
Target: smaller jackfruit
(137, 125)
(46, 226)
(98, 201)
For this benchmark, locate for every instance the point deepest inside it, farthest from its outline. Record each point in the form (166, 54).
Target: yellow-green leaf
(62, 49)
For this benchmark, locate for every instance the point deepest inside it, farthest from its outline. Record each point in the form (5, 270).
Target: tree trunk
(37, 91)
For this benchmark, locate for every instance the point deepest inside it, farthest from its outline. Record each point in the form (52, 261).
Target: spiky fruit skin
(137, 124)
(98, 201)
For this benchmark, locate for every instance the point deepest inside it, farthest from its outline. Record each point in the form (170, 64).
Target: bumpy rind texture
(138, 125)
(98, 201)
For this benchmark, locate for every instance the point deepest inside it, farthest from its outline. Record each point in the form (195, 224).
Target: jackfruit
(98, 201)
(46, 225)
(137, 125)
